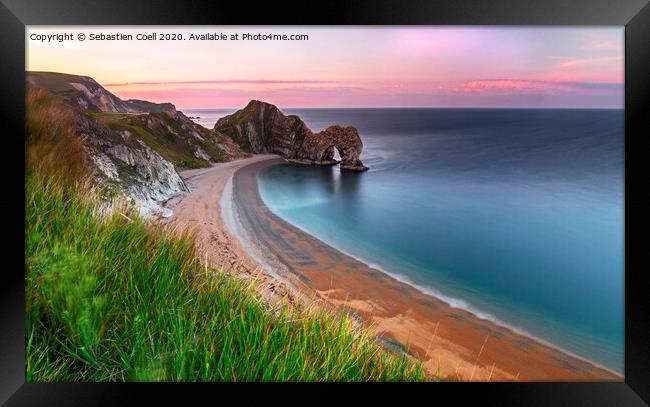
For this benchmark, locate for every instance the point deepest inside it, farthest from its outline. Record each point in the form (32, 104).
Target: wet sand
(453, 342)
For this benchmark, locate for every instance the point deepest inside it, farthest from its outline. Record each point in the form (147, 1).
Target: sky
(483, 67)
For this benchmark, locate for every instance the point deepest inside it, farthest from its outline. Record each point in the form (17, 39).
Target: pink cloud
(518, 86)
(596, 69)
(499, 85)
(588, 62)
(224, 81)
(480, 92)
(303, 96)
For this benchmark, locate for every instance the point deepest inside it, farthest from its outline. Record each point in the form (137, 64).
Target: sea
(513, 214)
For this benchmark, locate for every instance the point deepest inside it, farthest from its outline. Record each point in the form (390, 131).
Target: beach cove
(453, 342)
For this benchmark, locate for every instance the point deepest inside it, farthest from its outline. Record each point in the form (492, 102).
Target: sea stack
(262, 128)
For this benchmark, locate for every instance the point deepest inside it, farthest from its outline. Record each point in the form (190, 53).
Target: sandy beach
(199, 211)
(452, 342)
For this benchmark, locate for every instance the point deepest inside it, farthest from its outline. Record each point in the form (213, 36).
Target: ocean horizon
(513, 214)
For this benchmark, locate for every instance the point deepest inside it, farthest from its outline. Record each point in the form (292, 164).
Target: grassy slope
(116, 298)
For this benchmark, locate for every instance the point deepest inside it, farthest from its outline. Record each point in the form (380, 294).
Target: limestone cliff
(262, 128)
(121, 158)
(135, 145)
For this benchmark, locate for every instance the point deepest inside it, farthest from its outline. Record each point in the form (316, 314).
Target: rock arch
(320, 147)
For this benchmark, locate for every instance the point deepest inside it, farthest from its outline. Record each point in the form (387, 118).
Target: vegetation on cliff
(162, 133)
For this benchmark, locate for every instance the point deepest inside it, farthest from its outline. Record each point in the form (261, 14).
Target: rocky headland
(261, 128)
(140, 147)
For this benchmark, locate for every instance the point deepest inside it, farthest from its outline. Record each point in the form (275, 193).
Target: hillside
(112, 297)
(117, 299)
(135, 146)
(85, 92)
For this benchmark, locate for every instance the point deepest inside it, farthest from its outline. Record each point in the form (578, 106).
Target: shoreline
(200, 211)
(449, 301)
(452, 302)
(234, 227)
(406, 321)
(470, 309)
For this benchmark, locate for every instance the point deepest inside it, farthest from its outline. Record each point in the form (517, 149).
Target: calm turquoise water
(516, 215)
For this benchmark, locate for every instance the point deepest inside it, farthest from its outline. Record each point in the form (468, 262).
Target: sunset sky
(351, 66)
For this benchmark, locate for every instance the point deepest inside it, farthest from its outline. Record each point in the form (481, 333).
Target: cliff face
(120, 158)
(262, 128)
(136, 146)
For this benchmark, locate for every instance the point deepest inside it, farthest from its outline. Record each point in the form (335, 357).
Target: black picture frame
(633, 14)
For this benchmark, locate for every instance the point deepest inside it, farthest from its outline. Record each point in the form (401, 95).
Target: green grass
(112, 299)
